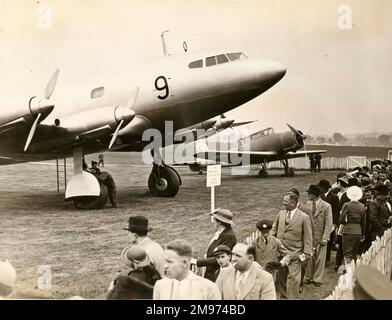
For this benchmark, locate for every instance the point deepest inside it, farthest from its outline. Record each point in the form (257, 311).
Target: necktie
(266, 241)
(314, 208)
(288, 217)
(240, 286)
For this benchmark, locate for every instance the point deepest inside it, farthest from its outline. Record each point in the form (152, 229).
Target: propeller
(127, 114)
(39, 107)
(299, 134)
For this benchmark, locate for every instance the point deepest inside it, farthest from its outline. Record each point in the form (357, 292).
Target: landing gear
(263, 173)
(163, 181)
(91, 203)
(288, 172)
(87, 191)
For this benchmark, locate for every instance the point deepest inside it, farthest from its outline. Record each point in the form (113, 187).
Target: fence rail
(329, 163)
(379, 256)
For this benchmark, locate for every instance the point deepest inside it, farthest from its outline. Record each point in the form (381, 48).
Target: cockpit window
(222, 58)
(196, 64)
(210, 61)
(237, 56)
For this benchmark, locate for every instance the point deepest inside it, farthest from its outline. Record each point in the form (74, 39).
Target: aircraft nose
(269, 73)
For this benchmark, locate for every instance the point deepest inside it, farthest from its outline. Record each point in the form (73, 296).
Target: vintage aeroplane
(262, 147)
(184, 89)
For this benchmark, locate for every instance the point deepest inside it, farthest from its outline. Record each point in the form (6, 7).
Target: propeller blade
(132, 98)
(296, 131)
(115, 134)
(237, 124)
(32, 132)
(51, 84)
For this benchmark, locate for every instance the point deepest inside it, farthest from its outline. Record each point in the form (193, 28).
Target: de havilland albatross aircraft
(186, 90)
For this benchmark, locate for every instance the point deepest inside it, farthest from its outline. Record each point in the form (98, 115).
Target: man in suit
(379, 212)
(320, 213)
(225, 235)
(181, 283)
(292, 226)
(245, 280)
(268, 248)
(333, 200)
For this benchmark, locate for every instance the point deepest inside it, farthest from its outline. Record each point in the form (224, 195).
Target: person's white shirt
(241, 276)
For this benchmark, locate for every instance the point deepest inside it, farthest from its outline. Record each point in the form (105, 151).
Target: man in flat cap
(222, 220)
(320, 214)
(138, 235)
(269, 249)
(379, 213)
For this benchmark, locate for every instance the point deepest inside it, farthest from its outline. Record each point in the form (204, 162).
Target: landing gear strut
(263, 173)
(288, 172)
(163, 181)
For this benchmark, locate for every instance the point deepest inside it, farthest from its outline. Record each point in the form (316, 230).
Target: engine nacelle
(223, 123)
(94, 119)
(290, 141)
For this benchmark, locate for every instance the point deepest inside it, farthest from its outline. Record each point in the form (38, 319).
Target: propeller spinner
(41, 107)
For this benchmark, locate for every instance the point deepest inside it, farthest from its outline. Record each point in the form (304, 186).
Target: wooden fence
(329, 163)
(378, 256)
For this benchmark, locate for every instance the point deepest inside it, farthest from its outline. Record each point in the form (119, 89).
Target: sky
(338, 79)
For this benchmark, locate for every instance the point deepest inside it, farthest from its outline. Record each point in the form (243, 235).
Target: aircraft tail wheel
(166, 185)
(263, 174)
(91, 203)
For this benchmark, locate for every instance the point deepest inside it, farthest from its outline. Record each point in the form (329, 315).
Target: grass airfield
(83, 248)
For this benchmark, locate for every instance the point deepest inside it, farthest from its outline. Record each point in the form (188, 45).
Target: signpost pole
(212, 198)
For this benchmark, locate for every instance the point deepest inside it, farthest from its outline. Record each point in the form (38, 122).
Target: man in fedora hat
(223, 222)
(320, 214)
(379, 213)
(333, 200)
(138, 235)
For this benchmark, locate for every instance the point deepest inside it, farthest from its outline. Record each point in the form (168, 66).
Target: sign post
(213, 180)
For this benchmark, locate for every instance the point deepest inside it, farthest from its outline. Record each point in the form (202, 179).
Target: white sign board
(214, 175)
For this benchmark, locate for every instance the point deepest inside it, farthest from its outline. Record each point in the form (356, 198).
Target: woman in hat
(352, 218)
(223, 222)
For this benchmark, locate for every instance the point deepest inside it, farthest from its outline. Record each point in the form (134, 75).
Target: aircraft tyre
(166, 185)
(91, 203)
(291, 172)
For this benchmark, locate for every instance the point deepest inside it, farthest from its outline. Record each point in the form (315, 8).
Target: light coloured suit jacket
(199, 289)
(297, 235)
(155, 253)
(321, 221)
(273, 251)
(258, 286)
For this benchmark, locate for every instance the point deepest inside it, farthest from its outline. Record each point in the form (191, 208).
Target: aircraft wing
(253, 157)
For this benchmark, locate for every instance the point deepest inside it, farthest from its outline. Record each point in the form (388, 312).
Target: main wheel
(290, 172)
(165, 186)
(91, 203)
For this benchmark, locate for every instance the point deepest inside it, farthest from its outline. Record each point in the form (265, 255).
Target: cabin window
(97, 92)
(236, 56)
(196, 64)
(222, 58)
(210, 61)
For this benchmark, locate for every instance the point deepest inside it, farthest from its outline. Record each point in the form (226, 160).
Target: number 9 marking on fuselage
(160, 88)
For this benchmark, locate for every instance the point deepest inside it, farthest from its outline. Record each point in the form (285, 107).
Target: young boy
(222, 254)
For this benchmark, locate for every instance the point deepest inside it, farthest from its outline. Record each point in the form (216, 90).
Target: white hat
(7, 273)
(354, 193)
